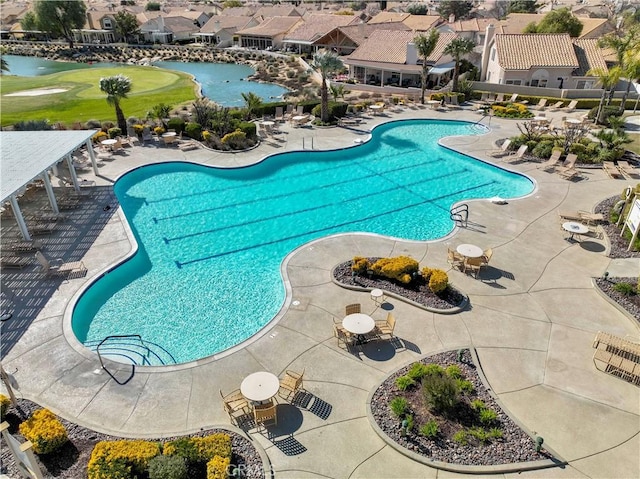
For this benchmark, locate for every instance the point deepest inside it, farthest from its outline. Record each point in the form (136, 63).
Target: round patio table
(470, 250)
(109, 143)
(574, 228)
(358, 323)
(169, 134)
(260, 386)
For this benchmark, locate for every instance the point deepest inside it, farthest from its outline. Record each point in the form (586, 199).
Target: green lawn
(83, 99)
(635, 144)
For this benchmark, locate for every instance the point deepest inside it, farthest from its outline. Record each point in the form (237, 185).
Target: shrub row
(402, 269)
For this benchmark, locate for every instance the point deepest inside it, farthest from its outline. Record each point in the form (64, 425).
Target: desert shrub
(4, 405)
(625, 288)
(176, 123)
(453, 371)
(417, 371)
(484, 435)
(235, 140)
(430, 429)
(438, 281)
(464, 385)
(399, 406)
(93, 124)
(360, 265)
(401, 268)
(487, 416)
(114, 132)
(111, 458)
(45, 431)
(460, 437)
(32, 125)
(543, 149)
(404, 382)
(107, 124)
(433, 369)
(167, 467)
(193, 130)
(217, 467)
(440, 392)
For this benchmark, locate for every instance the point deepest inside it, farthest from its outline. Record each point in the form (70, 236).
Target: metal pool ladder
(460, 214)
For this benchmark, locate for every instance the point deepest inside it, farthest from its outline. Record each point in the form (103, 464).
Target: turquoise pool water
(211, 241)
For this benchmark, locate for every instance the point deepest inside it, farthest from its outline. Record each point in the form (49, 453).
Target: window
(513, 82)
(493, 54)
(584, 84)
(541, 83)
(106, 23)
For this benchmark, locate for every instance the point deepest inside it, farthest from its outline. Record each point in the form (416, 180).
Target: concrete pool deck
(533, 315)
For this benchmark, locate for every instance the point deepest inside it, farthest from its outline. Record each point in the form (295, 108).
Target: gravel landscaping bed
(515, 445)
(70, 461)
(417, 291)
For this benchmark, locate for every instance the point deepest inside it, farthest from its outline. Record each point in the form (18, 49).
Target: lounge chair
(291, 384)
(352, 309)
(581, 216)
(279, 113)
(503, 151)
(569, 163)
(571, 106)
(628, 170)
(556, 106)
(519, 155)
(42, 228)
(513, 98)
(14, 261)
(387, 326)
(188, 145)
(500, 97)
(147, 135)
(235, 403)
(611, 170)
(25, 246)
(541, 104)
(552, 162)
(58, 267)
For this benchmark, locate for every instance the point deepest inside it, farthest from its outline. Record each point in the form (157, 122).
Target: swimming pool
(207, 272)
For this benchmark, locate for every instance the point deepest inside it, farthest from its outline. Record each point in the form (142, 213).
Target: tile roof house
(345, 40)
(99, 27)
(517, 22)
(540, 60)
(248, 11)
(302, 37)
(169, 29)
(268, 34)
(220, 30)
(389, 57)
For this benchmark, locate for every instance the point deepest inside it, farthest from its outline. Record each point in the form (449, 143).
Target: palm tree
(608, 79)
(325, 61)
(4, 66)
(116, 87)
(253, 102)
(337, 91)
(458, 48)
(425, 46)
(631, 72)
(623, 46)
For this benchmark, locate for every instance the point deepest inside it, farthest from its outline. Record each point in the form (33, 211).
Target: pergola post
(19, 218)
(72, 172)
(49, 189)
(92, 156)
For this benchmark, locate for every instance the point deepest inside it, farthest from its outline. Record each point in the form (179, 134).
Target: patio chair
(14, 261)
(541, 104)
(262, 415)
(556, 106)
(387, 326)
(147, 135)
(503, 151)
(342, 335)
(279, 114)
(352, 309)
(486, 256)
(234, 403)
(628, 170)
(58, 267)
(519, 155)
(454, 258)
(473, 265)
(552, 162)
(291, 384)
(300, 110)
(611, 171)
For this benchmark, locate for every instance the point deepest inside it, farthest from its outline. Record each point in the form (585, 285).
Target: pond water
(222, 83)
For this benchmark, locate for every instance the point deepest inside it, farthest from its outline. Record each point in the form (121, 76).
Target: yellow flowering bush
(138, 128)
(45, 431)
(438, 281)
(208, 447)
(401, 268)
(121, 459)
(158, 130)
(426, 273)
(360, 265)
(206, 135)
(99, 136)
(234, 139)
(4, 405)
(217, 467)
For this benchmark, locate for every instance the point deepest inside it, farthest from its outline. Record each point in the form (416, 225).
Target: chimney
(452, 18)
(486, 50)
(412, 54)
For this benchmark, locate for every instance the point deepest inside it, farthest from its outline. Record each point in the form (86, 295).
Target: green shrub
(110, 459)
(440, 392)
(217, 467)
(460, 437)
(183, 447)
(417, 371)
(438, 281)
(487, 416)
(177, 124)
(430, 429)
(336, 110)
(625, 288)
(248, 128)
(32, 125)
(465, 385)
(99, 136)
(360, 265)
(193, 130)
(235, 140)
(484, 435)
(93, 125)
(114, 132)
(399, 406)
(401, 268)
(543, 149)
(167, 467)
(433, 369)
(4, 405)
(208, 447)
(410, 422)
(478, 405)
(404, 382)
(607, 111)
(45, 431)
(453, 371)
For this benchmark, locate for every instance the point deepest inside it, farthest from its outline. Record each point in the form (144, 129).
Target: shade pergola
(28, 155)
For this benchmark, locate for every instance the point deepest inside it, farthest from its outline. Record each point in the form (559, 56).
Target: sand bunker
(44, 91)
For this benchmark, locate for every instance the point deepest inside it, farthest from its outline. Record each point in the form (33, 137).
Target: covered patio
(27, 156)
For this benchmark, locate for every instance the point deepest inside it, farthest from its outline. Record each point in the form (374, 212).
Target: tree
(523, 6)
(60, 18)
(29, 22)
(152, 7)
(458, 9)
(116, 87)
(4, 66)
(458, 48)
(126, 25)
(325, 61)
(557, 21)
(252, 102)
(631, 71)
(425, 46)
(418, 9)
(337, 91)
(232, 4)
(608, 79)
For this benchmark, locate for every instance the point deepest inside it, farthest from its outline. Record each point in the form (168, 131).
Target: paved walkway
(532, 319)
